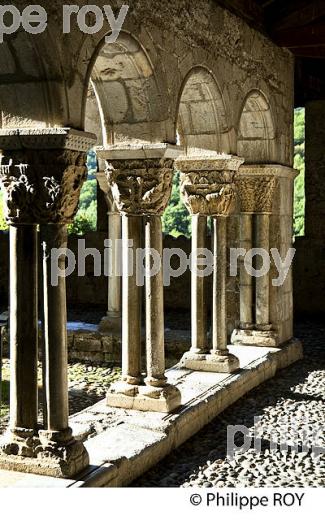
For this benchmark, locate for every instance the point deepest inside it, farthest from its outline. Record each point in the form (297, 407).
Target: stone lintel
(46, 139)
(144, 398)
(255, 338)
(134, 152)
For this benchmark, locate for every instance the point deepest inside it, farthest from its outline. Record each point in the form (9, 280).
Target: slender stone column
(21, 438)
(114, 313)
(23, 332)
(140, 180)
(198, 290)
(54, 236)
(219, 303)
(131, 301)
(154, 305)
(112, 322)
(263, 282)
(208, 190)
(49, 201)
(246, 282)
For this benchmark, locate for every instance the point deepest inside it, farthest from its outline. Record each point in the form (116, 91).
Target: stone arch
(202, 119)
(129, 101)
(256, 131)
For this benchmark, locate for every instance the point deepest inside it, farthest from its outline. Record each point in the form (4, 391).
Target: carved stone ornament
(140, 186)
(256, 194)
(42, 171)
(208, 193)
(42, 186)
(207, 183)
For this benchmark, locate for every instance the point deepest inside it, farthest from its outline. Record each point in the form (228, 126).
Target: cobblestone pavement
(296, 396)
(87, 385)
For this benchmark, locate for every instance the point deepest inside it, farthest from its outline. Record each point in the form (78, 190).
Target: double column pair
(140, 181)
(42, 172)
(208, 190)
(256, 189)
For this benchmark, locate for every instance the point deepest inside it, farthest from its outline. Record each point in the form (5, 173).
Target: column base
(255, 338)
(225, 364)
(53, 454)
(110, 324)
(144, 398)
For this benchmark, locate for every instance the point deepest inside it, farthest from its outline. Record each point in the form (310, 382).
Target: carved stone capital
(256, 194)
(138, 177)
(207, 184)
(258, 185)
(140, 186)
(43, 184)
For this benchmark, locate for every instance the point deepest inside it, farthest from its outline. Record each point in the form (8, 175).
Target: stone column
(208, 189)
(262, 297)
(111, 323)
(199, 345)
(21, 438)
(257, 187)
(42, 186)
(140, 180)
(131, 306)
(246, 282)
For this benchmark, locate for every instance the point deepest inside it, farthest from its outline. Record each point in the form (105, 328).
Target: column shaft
(55, 333)
(198, 288)
(155, 344)
(131, 300)
(23, 326)
(114, 281)
(219, 304)
(246, 285)
(263, 282)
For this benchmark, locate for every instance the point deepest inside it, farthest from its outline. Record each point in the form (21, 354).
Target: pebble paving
(286, 447)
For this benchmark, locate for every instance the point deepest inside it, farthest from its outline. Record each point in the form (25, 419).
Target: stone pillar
(112, 322)
(140, 180)
(246, 282)
(208, 190)
(262, 296)
(266, 200)
(42, 182)
(131, 325)
(199, 346)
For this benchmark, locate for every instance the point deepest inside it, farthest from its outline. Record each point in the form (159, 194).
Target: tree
(299, 164)
(176, 219)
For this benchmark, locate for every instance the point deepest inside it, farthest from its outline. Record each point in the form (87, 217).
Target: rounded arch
(256, 130)
(130, 104)
(202, 118)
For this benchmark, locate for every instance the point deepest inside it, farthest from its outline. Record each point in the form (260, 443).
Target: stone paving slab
(123, 444)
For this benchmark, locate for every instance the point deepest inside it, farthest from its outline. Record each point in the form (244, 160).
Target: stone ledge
(128, 443)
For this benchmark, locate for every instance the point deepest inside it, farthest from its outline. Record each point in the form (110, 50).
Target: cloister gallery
(202, 88)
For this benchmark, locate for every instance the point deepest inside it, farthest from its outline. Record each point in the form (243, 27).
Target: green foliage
(86, 218)
(176, 219)
(299, 164)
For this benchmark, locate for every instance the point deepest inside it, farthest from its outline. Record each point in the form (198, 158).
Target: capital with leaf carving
(140, 177)
(42, 172)
(207, 183)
